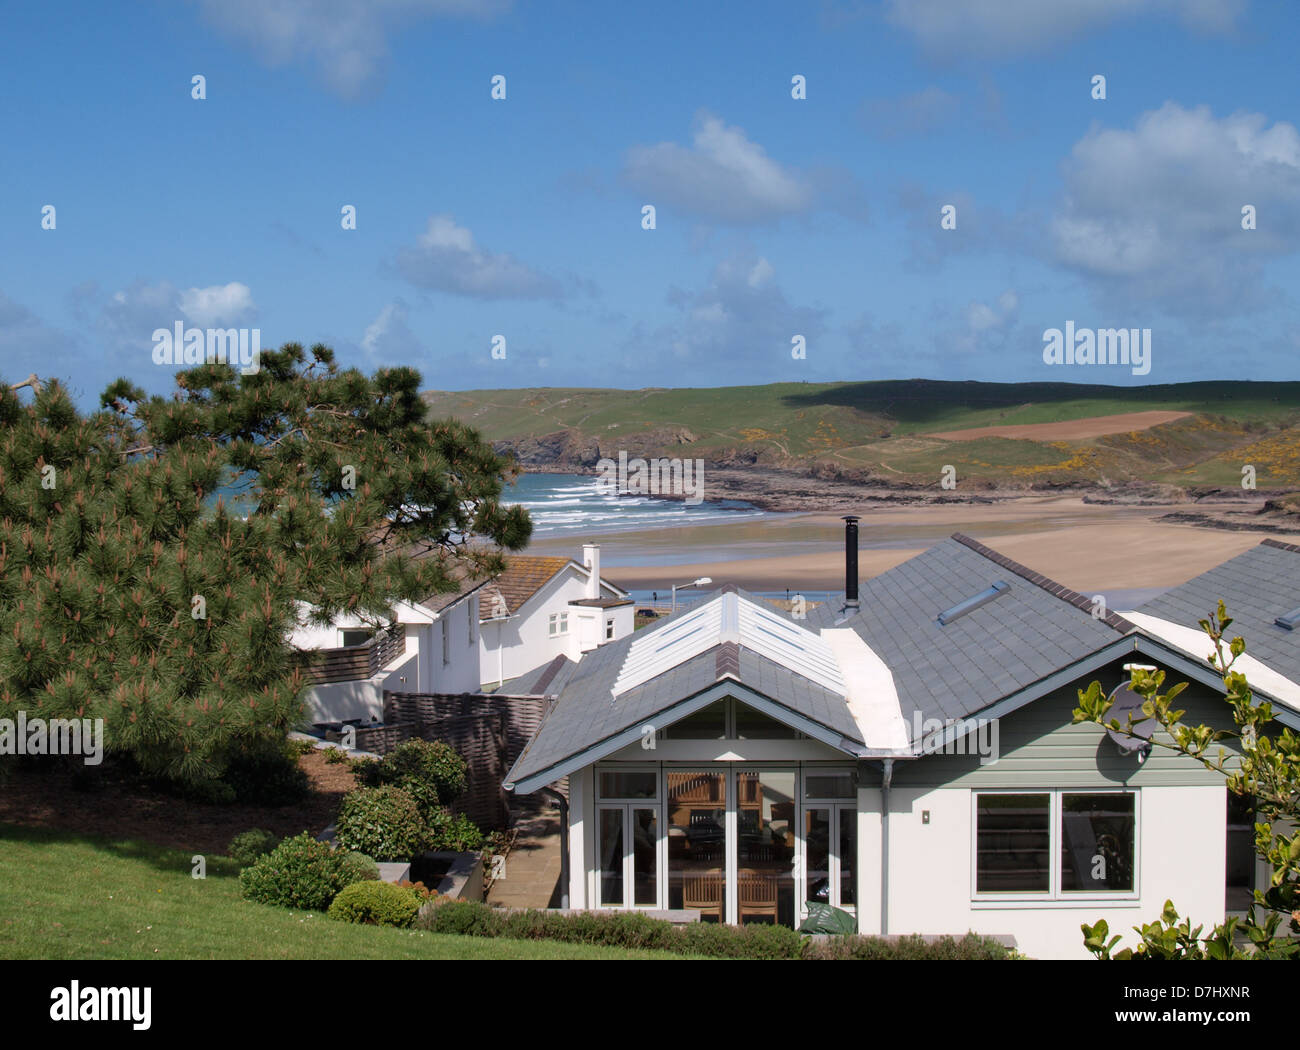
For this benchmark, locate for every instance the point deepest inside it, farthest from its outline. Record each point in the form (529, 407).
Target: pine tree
(132, 590)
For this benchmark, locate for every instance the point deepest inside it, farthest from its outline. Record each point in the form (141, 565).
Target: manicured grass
(64, 897)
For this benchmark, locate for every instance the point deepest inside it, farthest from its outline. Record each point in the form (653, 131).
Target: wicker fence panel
(503, 727)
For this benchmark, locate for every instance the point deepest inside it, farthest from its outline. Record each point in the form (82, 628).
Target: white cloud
(446, 258)
(127, 318)
(952, 28)
(741, 316)
(1155, 212)
(389, 340)
(219, 304)
(722, 176)
(981, 317)
(345, 40)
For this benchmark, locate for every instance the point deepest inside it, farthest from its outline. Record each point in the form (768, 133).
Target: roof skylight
(971, 604)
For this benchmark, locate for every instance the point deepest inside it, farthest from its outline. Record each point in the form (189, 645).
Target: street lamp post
(703, 581)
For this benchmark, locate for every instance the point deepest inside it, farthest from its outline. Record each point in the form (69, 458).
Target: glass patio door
(766, 846)
(697, 841)
(830, 853)
(627, 851)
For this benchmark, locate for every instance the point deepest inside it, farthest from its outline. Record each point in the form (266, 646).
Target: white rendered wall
(1181, 858)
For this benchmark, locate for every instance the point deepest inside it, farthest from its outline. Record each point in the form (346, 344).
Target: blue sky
(775, 217)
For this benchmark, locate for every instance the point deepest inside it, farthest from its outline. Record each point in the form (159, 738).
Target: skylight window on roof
(1289, 620)
(972, 603)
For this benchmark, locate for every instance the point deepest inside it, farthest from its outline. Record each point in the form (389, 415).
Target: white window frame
(838, 808)
(841, 808)
(558, 624)
(609, 630)
(627, 805)
(1054, 894)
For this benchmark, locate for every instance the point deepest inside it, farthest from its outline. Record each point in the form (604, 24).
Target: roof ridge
(1280, 545)
(1046, 583)
(548, 676)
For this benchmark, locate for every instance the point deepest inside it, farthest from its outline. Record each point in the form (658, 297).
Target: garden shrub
(359, 867)
(375, 903)
(248, 845)
(382, 822)
(266, 774)
(431, 763)
(912, 946)
(421, 891)
(299, 873)
(431, 772)
(457, 832)
(469, 918)
(632, 930)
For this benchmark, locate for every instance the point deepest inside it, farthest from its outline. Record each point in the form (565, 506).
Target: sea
(567, 504)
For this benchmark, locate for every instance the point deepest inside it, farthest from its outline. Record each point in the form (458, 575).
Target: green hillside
(885, 429)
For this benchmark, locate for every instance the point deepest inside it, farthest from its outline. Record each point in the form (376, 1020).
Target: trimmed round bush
(299, 873)
(384, 823)
(359, 867)
(375, 903)
(452, 832)
(248, 845)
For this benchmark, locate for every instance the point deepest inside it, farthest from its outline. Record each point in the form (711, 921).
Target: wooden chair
(703, 890)
(756, 895)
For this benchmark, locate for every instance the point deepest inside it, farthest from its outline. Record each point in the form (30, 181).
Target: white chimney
(591, 559)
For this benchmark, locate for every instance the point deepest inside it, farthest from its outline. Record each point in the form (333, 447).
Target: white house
(429, 646)
(541, 608)
(908, 755)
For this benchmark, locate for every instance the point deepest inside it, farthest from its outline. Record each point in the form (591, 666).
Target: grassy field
(74, 898)
(882, 427)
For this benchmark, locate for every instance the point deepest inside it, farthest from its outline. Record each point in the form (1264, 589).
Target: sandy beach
(1088, 547)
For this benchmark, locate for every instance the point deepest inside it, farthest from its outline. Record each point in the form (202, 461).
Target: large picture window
(1056, 844)
(742, 844)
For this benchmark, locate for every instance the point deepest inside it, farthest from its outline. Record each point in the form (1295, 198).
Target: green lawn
(66, 897)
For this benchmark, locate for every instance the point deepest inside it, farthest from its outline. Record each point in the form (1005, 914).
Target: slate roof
(548, 679)
(1256, 587)
(586, 712)
(947, 672)
(1034, 629)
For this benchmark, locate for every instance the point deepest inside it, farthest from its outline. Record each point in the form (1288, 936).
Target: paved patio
(532, 870)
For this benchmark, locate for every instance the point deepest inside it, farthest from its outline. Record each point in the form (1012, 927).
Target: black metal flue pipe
(850, 561)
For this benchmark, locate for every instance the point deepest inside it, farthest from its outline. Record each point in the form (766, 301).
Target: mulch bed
(123, 809)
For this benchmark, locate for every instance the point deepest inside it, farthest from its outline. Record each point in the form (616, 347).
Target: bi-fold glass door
(627, 848)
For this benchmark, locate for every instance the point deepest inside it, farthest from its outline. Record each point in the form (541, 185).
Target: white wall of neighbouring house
(524, 639)
(460, 674)
(419, 669)
(1181, 857)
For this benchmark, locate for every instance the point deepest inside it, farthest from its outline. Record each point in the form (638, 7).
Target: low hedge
(911, 946)
(634, 930)
(375, 903)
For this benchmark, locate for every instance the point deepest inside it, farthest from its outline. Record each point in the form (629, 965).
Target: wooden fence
(489, 730)
(353, 663)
